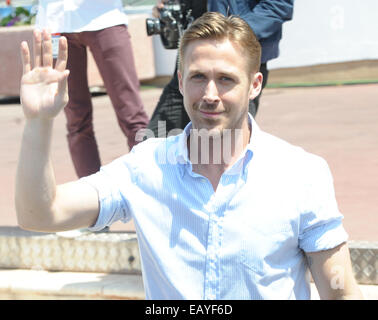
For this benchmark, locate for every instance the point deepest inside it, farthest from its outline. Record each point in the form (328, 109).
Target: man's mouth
(210, 114)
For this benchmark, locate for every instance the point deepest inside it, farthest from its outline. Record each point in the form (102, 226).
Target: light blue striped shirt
(244, 241)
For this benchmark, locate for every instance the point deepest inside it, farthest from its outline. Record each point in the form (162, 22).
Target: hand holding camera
(172, 18)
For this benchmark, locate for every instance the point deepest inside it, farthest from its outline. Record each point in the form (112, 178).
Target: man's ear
(256, 85)
(179, 76)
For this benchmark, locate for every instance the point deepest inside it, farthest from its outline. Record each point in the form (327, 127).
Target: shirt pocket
(266, 254)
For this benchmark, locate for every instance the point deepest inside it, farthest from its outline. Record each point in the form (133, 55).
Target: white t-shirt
(79, 15)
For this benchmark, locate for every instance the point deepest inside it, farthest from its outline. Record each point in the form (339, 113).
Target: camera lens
(153, 26)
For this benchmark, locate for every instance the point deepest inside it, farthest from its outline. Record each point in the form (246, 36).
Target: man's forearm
(35, 180)
(40, 204)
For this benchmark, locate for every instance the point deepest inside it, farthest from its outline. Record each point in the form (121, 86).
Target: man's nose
(211, 92)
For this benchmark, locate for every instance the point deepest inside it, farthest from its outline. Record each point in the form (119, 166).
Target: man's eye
(224, 78)
(198, 76)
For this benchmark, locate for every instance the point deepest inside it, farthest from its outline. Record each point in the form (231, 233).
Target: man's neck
(212, 155)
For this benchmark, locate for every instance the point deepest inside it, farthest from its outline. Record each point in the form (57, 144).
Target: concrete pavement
(338, 123)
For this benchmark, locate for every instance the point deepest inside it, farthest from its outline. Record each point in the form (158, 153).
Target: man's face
(216, 85)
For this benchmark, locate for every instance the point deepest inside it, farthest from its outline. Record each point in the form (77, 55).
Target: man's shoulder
(146, 156)
(149, 144)
(289, 153)
(154, 150)
(154, 144)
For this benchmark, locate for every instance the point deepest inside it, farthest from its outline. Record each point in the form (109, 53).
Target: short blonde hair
(214, 25)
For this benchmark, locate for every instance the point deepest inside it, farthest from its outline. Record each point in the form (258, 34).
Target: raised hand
(43, 90)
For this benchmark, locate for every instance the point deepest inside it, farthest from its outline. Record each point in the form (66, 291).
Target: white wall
(164, 59)
(328, 31)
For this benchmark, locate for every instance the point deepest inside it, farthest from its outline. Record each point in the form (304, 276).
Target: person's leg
(254, 104)
(112, 51)
(81, 140)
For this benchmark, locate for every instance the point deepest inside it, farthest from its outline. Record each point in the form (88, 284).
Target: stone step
(45, 285)
(118, 252)
(364, 256)
(113, 252)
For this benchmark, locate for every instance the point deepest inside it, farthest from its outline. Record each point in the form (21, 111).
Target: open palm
(44, 88)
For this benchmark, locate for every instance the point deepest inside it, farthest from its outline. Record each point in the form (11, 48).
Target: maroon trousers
(112, 51)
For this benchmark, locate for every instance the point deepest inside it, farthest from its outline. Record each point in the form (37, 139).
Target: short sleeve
(320, 220)
(113, 204)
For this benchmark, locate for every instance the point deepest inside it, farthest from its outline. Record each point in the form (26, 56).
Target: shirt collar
(182, 148)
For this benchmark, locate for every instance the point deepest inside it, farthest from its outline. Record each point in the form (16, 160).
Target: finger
(61, 62)
(47, 58)
(62, 81)
(155, 12)
(62, 92)
(25, 57)
(37, 48)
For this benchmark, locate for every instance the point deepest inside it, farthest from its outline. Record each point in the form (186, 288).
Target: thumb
(62, 93)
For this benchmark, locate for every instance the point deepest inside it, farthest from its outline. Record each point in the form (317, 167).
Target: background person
(265, 17)
(100, 26)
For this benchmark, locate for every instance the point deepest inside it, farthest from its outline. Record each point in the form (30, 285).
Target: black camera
(173, 19)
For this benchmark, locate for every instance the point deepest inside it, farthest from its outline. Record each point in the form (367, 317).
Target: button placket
(213, 250)
(215, 209)
(211, 262)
